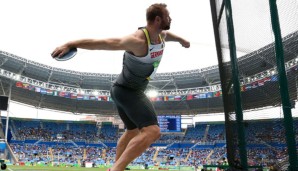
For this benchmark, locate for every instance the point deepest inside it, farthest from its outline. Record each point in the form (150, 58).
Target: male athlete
(143, 53)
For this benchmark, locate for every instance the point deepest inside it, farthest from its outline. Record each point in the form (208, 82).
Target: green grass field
(38, 168)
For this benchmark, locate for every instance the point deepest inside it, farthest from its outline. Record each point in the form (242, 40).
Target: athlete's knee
(152, 132)
(132, 133)
(127, 136)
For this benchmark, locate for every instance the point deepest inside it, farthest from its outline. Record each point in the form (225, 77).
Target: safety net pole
(224, 87)
(283, 83)
(236, 85)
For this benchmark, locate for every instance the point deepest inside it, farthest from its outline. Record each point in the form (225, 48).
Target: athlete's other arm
(168, 36)
(128, 43)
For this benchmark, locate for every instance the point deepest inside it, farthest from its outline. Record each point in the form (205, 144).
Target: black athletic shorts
(134, 107)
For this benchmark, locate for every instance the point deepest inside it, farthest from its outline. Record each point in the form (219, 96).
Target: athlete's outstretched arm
(172, 37)
(127, 43)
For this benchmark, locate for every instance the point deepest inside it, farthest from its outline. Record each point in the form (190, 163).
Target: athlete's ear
(158, 19)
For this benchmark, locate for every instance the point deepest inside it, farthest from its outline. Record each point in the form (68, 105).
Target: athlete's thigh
(138, 108)
(127, 122)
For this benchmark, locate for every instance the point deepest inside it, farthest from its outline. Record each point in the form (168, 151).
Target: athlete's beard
(165, 26)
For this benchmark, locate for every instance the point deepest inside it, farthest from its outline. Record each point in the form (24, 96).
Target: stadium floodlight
(95, 93)
(41, 84)
(82, 92)
(17, 77)
(152, 93)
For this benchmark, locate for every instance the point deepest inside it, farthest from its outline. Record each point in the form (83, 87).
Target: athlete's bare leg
(124, 140)
(137, 146)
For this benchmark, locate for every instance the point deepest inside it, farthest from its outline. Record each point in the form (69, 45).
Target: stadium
(238, 114)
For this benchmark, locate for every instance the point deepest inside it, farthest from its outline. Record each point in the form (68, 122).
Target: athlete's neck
(154, 34)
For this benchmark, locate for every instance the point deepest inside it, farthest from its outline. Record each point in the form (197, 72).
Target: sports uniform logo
(156, 54)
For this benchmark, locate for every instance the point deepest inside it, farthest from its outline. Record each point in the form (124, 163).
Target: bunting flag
(202, 96)
(61, 94)
(103, 98)
(267, 79)
(295, 68)
(97, 98)
(19, 84)
(85, 97)
(73, 95)
(80, 97)
(166, 98)
(37, 89)
(43, 91)
(110, 99)
(25, 86)
(217, 93)
(210, 95)
(243, 88)
(177, 98)
(254, 84)
(261, 82)
(189, 97)
(67, 95)
(196, 96)
(49, 92)
(92, 98)
(248, 86)
(183, 98)
(274, 78)
(31, 88)
(153, 99)
(171, 98)
(159, 98)
(55, 93)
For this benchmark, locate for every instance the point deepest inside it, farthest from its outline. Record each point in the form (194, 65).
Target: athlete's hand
(185, 43)
(60, 51)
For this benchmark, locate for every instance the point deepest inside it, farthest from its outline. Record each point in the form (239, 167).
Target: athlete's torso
(137, 71)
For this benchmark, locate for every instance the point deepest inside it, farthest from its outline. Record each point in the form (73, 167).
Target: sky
(32, 29)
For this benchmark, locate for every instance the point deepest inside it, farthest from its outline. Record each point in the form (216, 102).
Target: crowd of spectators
(265, 140)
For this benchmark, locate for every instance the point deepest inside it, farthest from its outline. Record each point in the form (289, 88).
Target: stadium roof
(171, 83)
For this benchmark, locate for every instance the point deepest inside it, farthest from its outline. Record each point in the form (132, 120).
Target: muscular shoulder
(139, 36)
(137, 43)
